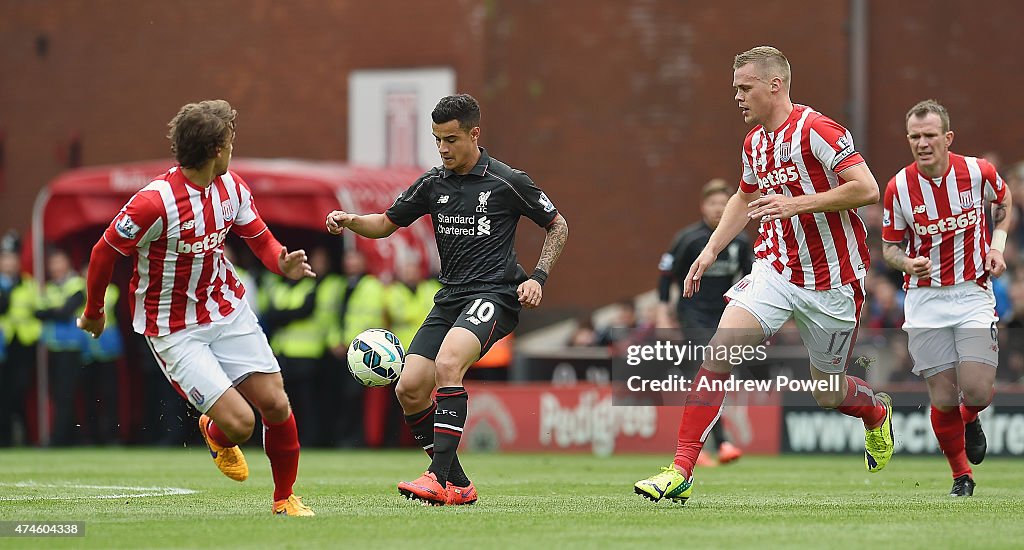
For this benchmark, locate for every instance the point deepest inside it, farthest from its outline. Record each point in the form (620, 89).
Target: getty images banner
(659, 367)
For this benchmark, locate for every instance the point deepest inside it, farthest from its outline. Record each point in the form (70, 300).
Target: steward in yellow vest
(63, 301)
(299, 342)
(21, 330)
(409, 300)
(362, 307)
(363, 303)
(19, 323)
(289, 317)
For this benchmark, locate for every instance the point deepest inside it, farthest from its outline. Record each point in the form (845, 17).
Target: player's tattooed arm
(894, 255)
(1002, 222)
(998, 213)
(554, 242)
(1002, 212)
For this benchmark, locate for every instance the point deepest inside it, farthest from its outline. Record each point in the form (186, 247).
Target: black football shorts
(488, 310)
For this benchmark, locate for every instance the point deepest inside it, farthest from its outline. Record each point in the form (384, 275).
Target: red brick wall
(620, 110)
(965, 55)
(116, 72)
(623, 111)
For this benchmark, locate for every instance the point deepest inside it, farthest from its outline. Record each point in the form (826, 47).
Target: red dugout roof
(292, 193)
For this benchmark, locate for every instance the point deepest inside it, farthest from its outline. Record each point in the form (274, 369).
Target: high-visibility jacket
(363, 306)
(63, 334)
(302, 337)
(20, 322)
(330, 294)
(408, 307)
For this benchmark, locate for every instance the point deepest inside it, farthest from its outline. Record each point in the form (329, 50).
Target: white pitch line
(137, 492)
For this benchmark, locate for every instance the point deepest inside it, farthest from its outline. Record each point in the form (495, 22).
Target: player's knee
(238, 425)
(410, 395)
(828, 399)
(976, 394)
(945, 400)
(275, 408)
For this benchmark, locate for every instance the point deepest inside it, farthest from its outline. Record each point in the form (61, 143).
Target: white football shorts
(827, 319)
(947, 325)
(203, 361)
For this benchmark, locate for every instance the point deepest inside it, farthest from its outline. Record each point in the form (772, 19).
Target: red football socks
(281, 443)
(860, 402)
(949, 430)
(970, 412)
(218, 436)
(703, 407)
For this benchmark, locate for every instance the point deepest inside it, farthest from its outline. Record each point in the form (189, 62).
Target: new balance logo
(443, 199)
(190, 224)
(920, 209)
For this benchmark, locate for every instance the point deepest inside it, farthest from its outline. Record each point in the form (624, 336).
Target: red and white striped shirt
(946, 218)
(821, 250)
(175, 231)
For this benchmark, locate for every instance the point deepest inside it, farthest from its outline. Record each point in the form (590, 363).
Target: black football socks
(449, 420)
(422, 427)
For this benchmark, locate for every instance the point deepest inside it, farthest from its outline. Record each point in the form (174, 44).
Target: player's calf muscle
(829, 399)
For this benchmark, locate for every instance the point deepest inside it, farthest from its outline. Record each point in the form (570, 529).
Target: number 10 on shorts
(480, 311)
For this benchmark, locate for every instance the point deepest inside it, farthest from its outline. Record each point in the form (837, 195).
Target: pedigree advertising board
(582, 418)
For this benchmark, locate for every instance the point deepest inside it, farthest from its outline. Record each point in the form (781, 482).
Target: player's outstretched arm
(372, 226)
(531, 291)
(101, 268)
(273, 255)
(734, 219)
(1002, 218)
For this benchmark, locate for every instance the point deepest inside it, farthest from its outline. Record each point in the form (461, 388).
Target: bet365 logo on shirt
(202, 244)
(951, 223)
(777, 177)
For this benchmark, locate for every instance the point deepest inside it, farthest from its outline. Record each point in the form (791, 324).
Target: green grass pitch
(545, 501)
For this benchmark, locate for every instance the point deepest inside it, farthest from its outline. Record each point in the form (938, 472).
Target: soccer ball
(376, 357)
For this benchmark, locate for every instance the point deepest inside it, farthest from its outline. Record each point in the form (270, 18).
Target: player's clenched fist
(530, 294)
(994, 262)
(338, 221)
(93, 326)
(920, 266)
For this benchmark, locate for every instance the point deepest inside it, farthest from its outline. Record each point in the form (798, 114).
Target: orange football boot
(292, 506)
(426, 489)
(229, 460)
(727, 452)
(459, 496)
